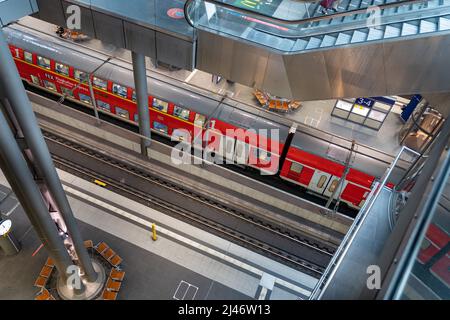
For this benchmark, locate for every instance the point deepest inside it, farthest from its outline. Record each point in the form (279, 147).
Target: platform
(183, 258)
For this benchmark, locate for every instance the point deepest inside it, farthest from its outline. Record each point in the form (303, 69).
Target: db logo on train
(175, 13)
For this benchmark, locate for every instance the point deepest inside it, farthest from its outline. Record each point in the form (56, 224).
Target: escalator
(367, 48)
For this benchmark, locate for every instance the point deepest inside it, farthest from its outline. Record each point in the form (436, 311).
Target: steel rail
(286, 256)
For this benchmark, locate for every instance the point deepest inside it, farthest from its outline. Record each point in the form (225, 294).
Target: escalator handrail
(188, 3)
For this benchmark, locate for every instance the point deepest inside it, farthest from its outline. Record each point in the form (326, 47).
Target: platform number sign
(365, 102)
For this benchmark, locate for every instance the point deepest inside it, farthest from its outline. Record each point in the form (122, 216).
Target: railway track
(243, 228)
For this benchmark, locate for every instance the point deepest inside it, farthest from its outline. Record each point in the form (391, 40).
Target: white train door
(241, 152)
(319, 181)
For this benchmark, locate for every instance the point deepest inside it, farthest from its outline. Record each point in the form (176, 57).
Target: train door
(319, 181)
(332, 185)
(241, 152)
(226, 148)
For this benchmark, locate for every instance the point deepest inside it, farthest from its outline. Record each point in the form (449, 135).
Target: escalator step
(409, 29)
(444, 23)
(343, 38)
(375, 34)
(328, 41)
(427, 26)
(358, 36)
(391, 32)
(313, 43)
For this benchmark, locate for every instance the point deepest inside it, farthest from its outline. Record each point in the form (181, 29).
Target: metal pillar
(94, 102)
(140, 83)
(21, 180)
(15, 94)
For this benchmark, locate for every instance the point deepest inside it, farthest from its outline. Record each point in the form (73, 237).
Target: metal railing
(340, 253)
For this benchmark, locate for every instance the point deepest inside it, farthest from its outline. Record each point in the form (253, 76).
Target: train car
(63, 68)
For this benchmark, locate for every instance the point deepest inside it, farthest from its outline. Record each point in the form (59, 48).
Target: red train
(62, 69)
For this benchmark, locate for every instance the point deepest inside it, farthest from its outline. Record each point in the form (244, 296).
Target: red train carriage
(322, 176)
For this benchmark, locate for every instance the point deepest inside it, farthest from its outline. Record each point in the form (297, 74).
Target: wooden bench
(113, 285)
(115, 260)
(88, 244)
(46, 271)
(116, 274)
(49, 262)
(40, 282)
(108, 254)
(272, 104)
(44, 295)
(101, 247)
(109, 295)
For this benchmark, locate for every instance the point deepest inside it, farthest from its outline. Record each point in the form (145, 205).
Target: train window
(35, 80)
(119, 90)
(160, 127)
(181, 113)
(62, 69)
(160, 105)
(103, 105)
(333, 186)
(84, 98)
(43, 62)
(136, 117)
(66, 91)
(122, 113)
(28, 56)
(133, 96)
(321, 181)
(50, 85)
(296, 167)
(81, 76)
(199, 120)
(99, 83)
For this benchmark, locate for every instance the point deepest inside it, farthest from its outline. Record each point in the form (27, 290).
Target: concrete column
(15, 94)
(16, 170)
(140, 83)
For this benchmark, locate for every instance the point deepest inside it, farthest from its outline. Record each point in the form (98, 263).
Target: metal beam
(140, 83)
(14, 92)
(15, 168)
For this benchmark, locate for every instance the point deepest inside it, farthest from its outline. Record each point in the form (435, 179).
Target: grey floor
(148, 276)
